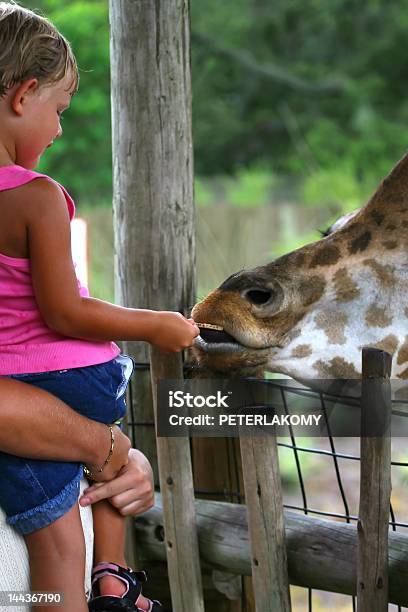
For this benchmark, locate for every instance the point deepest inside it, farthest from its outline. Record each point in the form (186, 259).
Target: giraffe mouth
(214, 339)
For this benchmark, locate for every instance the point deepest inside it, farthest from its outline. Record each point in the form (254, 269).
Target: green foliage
(303, 86)
(293, 243)
(249, 188)
(338, 187)
(202, 193)
(81, 159)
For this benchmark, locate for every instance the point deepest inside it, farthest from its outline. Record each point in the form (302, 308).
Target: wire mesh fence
(343, 463)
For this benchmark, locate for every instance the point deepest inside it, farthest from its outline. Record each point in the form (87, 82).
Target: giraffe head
(309, 313)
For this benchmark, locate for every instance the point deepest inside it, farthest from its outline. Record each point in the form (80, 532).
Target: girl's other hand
(119, 458)
(173, 333)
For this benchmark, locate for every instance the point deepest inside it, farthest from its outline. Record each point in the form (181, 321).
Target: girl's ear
(21, 93)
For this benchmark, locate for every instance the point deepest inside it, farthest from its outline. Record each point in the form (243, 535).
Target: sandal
(128, 601)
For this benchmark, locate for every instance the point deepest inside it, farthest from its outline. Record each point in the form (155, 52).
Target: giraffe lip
(214, 339)
(215, 334)
(219, 346)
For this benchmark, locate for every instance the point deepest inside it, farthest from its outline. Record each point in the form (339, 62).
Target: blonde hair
(32, 47)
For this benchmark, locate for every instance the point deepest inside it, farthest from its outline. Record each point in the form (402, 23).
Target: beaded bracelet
(91, 475)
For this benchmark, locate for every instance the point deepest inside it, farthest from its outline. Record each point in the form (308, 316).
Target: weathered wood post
(263, 495)
(154, 223)
(375, 483)
(177, 489)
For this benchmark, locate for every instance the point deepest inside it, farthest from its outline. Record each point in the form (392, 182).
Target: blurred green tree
(302, 86)
(81, 159)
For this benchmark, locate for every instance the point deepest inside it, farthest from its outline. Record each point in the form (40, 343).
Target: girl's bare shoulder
(23, 206)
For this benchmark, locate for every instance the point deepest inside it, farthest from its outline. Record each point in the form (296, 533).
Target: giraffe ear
(393, 191)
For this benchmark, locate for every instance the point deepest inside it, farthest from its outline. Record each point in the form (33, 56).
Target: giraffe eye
(265, 298)
(258, 297)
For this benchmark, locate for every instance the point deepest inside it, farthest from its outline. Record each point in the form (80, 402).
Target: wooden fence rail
(322, 554)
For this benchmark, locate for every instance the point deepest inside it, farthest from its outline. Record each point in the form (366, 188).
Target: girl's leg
(109, 545)
(57, 561)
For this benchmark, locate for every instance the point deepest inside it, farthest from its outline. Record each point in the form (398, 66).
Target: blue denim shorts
(35, 493)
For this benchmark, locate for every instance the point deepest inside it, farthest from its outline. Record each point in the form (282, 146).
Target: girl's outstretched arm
(56, 288)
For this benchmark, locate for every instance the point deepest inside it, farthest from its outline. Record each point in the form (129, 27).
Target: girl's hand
(119, 458)
(173, 332)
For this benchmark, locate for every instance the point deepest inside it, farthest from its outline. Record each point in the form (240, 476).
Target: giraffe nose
(258, 297)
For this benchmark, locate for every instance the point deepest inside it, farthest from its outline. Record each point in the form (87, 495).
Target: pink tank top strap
(16, 176)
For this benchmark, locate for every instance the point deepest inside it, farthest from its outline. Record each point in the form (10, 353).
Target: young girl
(52, 334)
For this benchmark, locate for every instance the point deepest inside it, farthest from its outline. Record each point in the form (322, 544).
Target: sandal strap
(115, 567)
(132, 579)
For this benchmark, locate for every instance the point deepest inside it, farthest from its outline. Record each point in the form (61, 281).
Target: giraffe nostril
(257, 296)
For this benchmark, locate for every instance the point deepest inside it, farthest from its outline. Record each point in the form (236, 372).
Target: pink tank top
(27, 345)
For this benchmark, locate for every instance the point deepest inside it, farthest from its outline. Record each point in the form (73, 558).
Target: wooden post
(152, 177)
(375, 484)
(177, 489)
(263, 496)
(152, 170)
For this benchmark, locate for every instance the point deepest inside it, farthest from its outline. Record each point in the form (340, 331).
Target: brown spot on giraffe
(336, 368)
(391, 227)
(325, 256)
(385, 273)
(303, 350)
(390, 244)
(346, 289)
(333, 324)
(360, 244)
(388, 344)
(403, 352)
(298, 259)
(293, 334)
(377, 317)
(377, 216)
(405, 223)
(312, 289)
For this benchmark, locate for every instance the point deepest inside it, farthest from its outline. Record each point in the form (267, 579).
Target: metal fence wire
(298, 449)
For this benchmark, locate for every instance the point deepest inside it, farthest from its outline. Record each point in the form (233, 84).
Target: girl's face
(41, 120)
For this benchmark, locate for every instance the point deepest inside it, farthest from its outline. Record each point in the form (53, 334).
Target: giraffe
(309, 313)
